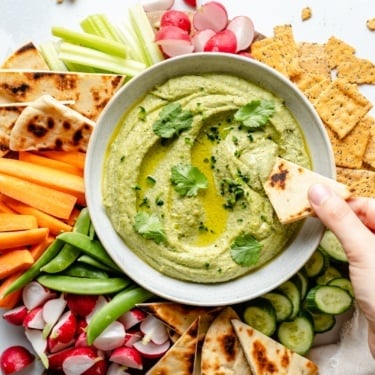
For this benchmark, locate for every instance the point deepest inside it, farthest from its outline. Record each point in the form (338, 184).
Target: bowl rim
(245, 287)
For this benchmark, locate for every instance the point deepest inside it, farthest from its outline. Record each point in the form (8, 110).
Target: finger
(365, 210)
(338, 216)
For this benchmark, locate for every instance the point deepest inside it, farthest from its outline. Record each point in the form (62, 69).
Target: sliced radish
(34, 319)
(16, 315)
(112, 337)
(223, 41)
(81, 340)
(52, 311)
(14, 359)
(211, 15)
(152, 350)
(35, 294)
(56, 360)
(132, 337)
(153, 5)
(132, 317)
(200, 39)
(81, 305)
(176, 18)
(116, 369)
(39, 344)
(100, 368)
(243, 29)
(78, 364)
(63, 333)
(154, 330)
(129, 357)
(172, 48)
(100, 302)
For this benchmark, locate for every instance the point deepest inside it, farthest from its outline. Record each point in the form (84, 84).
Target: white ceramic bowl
(288, 262)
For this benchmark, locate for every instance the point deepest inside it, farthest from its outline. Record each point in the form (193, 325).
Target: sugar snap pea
(117, 306)
(90, 247)
(86, 259)
(83, 285)
(34, 270)
(84, 270)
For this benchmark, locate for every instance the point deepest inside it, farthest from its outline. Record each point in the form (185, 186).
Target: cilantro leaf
(149, 227)
(187, 179)
(172, 121)
(255, 114)
(245, 250)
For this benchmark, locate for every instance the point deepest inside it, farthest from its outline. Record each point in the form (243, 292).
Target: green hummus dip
(191, 203)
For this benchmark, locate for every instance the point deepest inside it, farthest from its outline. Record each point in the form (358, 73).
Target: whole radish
(176, 18)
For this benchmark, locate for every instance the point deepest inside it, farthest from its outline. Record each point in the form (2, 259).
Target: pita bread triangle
(180, 358)
(46, 124)
(221, 350)
(268, 357)
(287, 188)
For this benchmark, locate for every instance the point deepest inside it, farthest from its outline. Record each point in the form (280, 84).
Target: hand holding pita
(353, 222)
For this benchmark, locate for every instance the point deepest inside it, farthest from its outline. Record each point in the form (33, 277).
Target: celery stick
(91, 41)
(86, 56)
(145, 34)
(131, 40)
(49, 51)
(99, 24)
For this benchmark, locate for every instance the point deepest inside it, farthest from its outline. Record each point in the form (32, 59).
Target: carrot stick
(53, 202)
(45, 176)
(4, 208)
(44, 220)
(38, 249)
(11, 222)
(75, 158)
(19, 238)
(48, 162)
(12, 299)
(15, 261)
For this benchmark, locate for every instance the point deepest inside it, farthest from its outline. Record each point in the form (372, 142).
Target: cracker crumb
(371, 24)
(306, 13)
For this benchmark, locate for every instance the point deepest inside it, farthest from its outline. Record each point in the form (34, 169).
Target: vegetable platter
(23, 21)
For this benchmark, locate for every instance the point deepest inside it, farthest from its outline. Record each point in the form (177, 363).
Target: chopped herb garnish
(245, 250)
(149, 227)
(232, 190)
(142, 113)
(255, 114)
(151, 180)
(172, 121)
(187, 179)
(159, 201)
(144, 203)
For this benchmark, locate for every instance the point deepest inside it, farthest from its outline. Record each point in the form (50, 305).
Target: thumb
(336, 214)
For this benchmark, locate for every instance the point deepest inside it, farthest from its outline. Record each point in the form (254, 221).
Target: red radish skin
(14, 359)
(211, 15)
(191, 3)
(154, 5)
(56, 360)
(34, 318)
(63, 333)
(132, 317)
(243, 28)
(81, 305)
(176, 18)
(77, 364)
(152, 350)
(52, 311)
(173, 41)
(223, 41)
(129, 357)
(200, 39)
(100, 368)
(16, 315)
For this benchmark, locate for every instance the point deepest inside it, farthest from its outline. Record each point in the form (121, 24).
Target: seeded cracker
(341, 106)
(350, 150)
(313, 59)
(337, 51)
(313, 92)
(369, 156)
(356, 70)
(306, 13)
(360, 181)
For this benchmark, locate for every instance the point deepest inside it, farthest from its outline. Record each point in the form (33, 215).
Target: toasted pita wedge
(46, 124)
(267, 357)
(26, 57)
(179, 317)
(221, 350)
(89, 91)
(287, 187)
(8, 117)
(180, 358)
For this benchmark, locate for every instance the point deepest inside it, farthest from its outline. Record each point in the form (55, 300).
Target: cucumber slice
(260, 314)
(332, 246)
(291, 290)
(317, 263)
(343, 283)
(281, 303)
(323, 322)
(329, 299)
(298, 334)
(329, 274)
(304, 282)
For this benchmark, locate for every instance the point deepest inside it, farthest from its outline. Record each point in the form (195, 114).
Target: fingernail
(319, 193)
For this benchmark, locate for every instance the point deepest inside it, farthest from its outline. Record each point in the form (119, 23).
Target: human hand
(353, 222)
